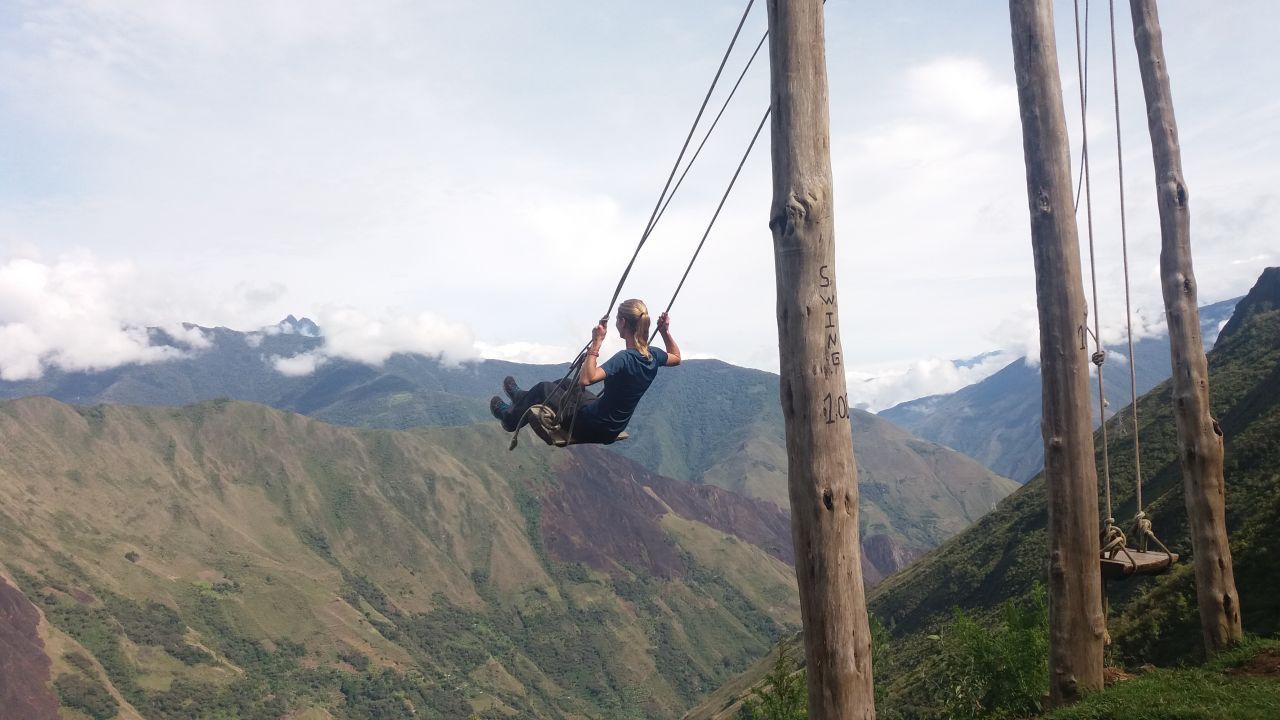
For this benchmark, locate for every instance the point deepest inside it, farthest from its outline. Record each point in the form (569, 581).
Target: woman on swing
(626, 377)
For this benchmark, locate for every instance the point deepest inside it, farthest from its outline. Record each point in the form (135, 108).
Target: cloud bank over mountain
(68, 315)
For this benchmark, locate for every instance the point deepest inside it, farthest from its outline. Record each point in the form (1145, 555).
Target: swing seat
(546, 424)
(1129, 562)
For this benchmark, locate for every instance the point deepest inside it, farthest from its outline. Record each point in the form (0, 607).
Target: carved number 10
(835, 408)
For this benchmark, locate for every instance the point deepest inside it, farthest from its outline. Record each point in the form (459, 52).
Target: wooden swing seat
(1130, 562)
(546, 425)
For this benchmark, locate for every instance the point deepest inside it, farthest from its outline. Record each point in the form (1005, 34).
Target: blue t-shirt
(627, 375)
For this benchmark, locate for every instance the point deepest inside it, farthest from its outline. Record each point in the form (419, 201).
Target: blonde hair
(635, 317)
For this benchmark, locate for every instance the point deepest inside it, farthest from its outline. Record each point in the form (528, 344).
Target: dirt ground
(1265, 664)
(24, 668)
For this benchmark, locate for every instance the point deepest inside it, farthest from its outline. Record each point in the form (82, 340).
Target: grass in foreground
(1241, 685)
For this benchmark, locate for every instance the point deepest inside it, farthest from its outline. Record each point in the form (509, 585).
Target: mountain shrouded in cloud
(78, 314)
(997, 420)
(706, 422)
(65, 315)
(349, 334)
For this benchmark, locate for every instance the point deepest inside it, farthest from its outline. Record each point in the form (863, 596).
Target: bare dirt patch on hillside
(24, 667)
(1265, 664)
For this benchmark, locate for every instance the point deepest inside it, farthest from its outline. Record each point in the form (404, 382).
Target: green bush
(81, 662)
(999, 672)
(784, 695)
(87, 696)
(355, 659)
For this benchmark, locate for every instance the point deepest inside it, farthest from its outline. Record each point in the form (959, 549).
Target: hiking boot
(501, 410)
(512, 390)
(498, 408)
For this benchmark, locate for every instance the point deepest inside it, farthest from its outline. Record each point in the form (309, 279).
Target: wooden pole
(1199, 437)
(1076, 624)
(820, 468)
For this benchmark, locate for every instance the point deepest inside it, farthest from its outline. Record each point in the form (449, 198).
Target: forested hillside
(993, 568)
(226, 559)
(1003, 554)
(705, 422)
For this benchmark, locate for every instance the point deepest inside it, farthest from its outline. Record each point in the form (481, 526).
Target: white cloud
(1019, 333)
(253, 159)
(352, 334)
(963, 88)
(81, 314)
(73, 314)
(877, 389)
(527, 352)
(188, 335)
(298, 365)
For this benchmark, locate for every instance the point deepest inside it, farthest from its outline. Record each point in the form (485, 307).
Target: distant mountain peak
(294, 326)
(1263, 297)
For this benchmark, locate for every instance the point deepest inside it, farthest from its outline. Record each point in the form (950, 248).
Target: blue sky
(470, 178)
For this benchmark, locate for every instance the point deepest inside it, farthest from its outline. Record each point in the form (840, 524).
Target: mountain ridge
(290, 549)
(997, 420)
(706, 422)
(1153, 620)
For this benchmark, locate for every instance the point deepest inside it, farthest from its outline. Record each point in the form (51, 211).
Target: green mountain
(706, 422)
(1002, 555)
(1152, 620)
(231, 560)
(997, 420)
(407, 391)
(722, 425)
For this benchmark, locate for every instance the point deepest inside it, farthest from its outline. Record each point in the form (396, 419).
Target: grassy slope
(293, 551)
(705, 422)
(714, 423)
(1227, 689)
(1002, 555)
(1152, 619)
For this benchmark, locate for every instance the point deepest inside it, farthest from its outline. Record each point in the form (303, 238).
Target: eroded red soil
(605, 514)
(25, 693)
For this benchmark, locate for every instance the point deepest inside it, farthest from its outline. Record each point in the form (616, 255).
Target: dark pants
(554, 395)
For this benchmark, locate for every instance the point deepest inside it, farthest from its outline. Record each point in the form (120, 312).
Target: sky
(470, 179)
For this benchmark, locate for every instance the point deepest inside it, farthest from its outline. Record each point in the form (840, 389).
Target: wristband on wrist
(593, 353)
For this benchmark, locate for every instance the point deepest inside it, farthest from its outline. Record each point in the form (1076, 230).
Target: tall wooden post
(1199, 437)
(1076, 624)
(821, 472)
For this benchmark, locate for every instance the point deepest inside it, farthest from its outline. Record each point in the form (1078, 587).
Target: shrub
(784, 694)
(81, 662)
(355, 659)
(87, 696)
(999, 672)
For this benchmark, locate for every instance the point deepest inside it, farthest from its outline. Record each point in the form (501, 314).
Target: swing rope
(570, 382)
(1082, 72)
(662, 197)
(1113, 539)
(715, 215)
(1128, 311)
(714, 123)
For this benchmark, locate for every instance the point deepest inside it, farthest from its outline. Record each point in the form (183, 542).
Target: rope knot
(1099, 357)
(1143, 524)
(1142, 529)
(1113, 539)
